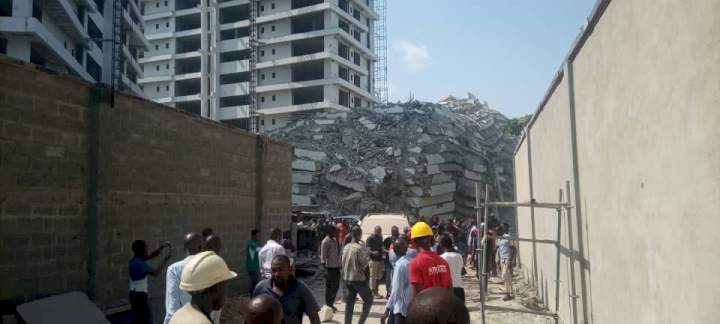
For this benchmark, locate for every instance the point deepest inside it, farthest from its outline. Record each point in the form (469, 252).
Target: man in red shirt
(427, 269)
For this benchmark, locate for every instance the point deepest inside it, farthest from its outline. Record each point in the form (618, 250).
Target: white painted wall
(153, 7)
(282, 75)
(283, 50)
(267, 5)
(282, 99)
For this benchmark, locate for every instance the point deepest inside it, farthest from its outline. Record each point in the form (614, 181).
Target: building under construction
(86, 38)
(255, 64)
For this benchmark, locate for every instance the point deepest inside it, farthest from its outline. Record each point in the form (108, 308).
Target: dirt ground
(524, 299)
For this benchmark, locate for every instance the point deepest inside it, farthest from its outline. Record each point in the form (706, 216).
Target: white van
(386, 221)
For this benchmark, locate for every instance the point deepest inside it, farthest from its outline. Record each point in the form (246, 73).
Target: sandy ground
(524, 299)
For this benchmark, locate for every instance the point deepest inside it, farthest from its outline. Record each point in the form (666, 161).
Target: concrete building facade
(75, 37)
(311, 55)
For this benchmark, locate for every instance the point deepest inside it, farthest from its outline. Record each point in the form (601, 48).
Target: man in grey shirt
(355, 261)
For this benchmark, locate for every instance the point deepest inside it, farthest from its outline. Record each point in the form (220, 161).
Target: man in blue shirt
(295, 297)
(138, 270)
(401, 294)
(174, 297)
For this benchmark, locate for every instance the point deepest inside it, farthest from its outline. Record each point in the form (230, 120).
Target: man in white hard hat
(204, 278)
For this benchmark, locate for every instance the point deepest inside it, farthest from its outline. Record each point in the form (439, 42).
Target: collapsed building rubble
(419, 158)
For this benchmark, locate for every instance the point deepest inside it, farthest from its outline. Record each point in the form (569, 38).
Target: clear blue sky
(504, 51)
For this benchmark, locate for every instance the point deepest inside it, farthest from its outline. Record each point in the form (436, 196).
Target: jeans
(139, 308)
(332, 283)
(254, 279)
(355, 288)
(397, 319)
(388, 277)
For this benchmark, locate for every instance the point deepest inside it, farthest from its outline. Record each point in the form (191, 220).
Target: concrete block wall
(154, 172)
(631, 122)
(43, 182)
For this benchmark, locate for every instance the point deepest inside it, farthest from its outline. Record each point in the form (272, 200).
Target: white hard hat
(204, 270)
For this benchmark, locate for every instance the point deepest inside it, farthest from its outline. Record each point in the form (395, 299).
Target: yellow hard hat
(421, 229)
(204, 270)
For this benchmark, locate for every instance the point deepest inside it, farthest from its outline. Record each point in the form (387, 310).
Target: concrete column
(19, 48)
(204, 59)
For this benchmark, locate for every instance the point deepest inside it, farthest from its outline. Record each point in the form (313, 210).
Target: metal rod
(535, 204)
(483, 277)
(571, 257)
(476, 247)
(517, 310)
(557, 262)
(553, 242)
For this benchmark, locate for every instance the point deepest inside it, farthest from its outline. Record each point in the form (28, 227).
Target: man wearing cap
(204, 276)
(427, 269)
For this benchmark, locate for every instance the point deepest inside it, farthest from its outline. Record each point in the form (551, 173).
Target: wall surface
(153, 173)
(640, 100)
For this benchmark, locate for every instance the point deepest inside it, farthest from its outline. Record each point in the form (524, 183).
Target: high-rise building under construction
(258, 63)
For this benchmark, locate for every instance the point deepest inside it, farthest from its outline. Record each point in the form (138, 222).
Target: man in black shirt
(377, 259)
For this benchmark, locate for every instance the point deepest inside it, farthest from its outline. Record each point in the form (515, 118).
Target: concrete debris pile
(419, 158)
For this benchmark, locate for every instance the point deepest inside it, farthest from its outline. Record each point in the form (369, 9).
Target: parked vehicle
(385, 221)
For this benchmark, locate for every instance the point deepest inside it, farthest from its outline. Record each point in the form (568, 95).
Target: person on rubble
(427, 269)
(262, 309)
(401, 294)
(377, 259)
(355, 261)
(455, 261)
(252, 260)
(205, 278)
(437, 306)
(330, 260)
(295, 297)
(138, 271)
(174, 296)
(391, 258)
(268, 252)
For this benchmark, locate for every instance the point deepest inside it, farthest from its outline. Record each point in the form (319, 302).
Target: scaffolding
(116, 47)
(252, 110)
(483, 206)
(380, 39)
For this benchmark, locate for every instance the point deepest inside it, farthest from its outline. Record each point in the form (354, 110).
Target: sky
(506, 52)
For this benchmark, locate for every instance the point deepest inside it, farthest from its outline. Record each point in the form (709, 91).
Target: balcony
(29, 26)
(235, 67)
(137, 38)
(235, 89)
(65, 18)
(237, 44)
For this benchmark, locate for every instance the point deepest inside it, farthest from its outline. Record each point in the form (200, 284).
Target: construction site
(126, 120)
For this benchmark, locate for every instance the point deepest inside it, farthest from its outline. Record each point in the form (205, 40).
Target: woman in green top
(252, 261)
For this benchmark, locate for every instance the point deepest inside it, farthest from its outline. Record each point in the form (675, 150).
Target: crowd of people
(421, 268)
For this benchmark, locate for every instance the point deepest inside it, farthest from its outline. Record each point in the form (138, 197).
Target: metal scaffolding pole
(532, 204)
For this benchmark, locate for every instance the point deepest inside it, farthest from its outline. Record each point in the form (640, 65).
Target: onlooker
(204, 277)
(473, 244)
(355, 260)
(262, 309)
(455, 261)
(252, 259)
(377, 259)
(213, 243)
(174, 296)
(427, 269)
(391, 258)
(505, 250)
(341, 230)
(330, 260)
(138, 270)
(268, 252)
(295, 297)
(401, 294)
(437, 306)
